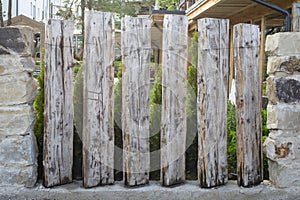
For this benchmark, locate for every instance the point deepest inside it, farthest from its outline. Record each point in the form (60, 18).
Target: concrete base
(190, 190)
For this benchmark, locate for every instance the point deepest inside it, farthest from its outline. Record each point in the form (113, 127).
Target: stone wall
(18, 156)
(283, 91)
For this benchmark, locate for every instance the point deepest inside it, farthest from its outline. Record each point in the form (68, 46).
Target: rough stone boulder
(17, 88)
(283, 91)
(16, 41)
(283, 152)
(18, 149)
(283, 44)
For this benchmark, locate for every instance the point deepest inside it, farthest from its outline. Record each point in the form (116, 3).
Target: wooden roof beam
(257, 11)
(202, 7)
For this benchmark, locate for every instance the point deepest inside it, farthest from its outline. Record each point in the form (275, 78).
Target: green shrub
(191, 153)
(117, 121)
(231, 141)
(39, 124)
(155, 120)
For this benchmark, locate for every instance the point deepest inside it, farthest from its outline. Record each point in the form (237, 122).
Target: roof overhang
(237, 11)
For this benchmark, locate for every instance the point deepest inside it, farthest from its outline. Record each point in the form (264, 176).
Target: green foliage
(155, 118)
(78, 100)
(66, 12)
(264, 89)
(117, 120)
(156, 91)
(192, 133)
(194, 48)
(118, 104)
(191, 112)
(77, 67)
(120, 7)
(265, 134)
(168, 4)
(39, 123)
(231, 140)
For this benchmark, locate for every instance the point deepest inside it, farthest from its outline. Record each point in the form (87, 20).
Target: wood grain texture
(58, 131)
(262, 49)
(136, 50)
(248, 104)
(213, 66)
(98, 99)
(174, 88)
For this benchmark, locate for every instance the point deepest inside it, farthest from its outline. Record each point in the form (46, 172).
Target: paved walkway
(190, 190)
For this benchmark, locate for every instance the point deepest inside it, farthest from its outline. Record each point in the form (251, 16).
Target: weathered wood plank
(231, 61)
(98, 100)
(248, 104)
(58, 132)
(136, 50)
(174, 88)
(262, 48)
(213, 60)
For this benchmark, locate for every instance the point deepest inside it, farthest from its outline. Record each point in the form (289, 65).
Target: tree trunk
(9, 12)
(90, 4)
(1, 16)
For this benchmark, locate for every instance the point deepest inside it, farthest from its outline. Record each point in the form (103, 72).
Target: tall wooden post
(248, 104)
(58, 136)
(231, 62)
(262, 48)
(174, 88)
(136, 50)
(98, 99)
(213, 66)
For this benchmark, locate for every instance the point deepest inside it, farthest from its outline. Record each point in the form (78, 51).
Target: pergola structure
(237, 11)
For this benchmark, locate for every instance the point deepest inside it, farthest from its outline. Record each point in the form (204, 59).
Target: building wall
(38, 10)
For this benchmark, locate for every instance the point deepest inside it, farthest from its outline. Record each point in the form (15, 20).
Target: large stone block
(286, 64)
(283, 116)
(284, 176)
(283, 152)
(283, 89)
(20, 150)
(15, 64)
(18, 175)
(17, 88)
(16, 120)
(282, 44)
(16, 40)
(283, 133)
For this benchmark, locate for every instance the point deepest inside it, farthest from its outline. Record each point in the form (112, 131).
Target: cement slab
(189, 190)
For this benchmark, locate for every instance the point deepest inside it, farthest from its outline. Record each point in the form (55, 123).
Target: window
(31, 10)
(34, 12)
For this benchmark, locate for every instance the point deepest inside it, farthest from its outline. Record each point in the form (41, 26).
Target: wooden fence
(98, 105)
